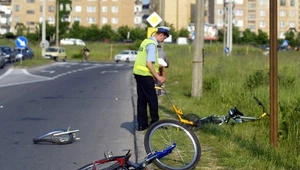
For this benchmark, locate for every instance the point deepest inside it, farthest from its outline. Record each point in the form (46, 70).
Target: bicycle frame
(124, 162)
(178, 111)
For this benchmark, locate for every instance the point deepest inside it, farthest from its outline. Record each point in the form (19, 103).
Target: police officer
(146, 70)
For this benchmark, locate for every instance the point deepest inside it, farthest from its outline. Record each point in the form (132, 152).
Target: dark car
(2, 59)
(9, 53)
(24, 53)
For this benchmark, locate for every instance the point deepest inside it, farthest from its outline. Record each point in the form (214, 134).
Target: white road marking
(114, 71)
(47, 71)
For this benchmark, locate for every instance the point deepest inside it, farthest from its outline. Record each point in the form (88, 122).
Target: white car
(126, 55)
(72, 41)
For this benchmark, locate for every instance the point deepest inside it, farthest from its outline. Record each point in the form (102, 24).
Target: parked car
(56, 53)
(9, 53)
(24, 53)
(126, 55)
(72, 41)
(2, 59)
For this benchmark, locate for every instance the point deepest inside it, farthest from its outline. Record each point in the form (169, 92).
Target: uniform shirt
(151, 50)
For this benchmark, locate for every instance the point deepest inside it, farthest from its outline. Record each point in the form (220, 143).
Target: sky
(146, 1)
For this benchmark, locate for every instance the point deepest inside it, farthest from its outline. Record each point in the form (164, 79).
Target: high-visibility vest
(140, 67)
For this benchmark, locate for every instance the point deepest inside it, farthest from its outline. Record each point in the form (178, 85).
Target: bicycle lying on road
(162, 133)
(169, 144)
(111, 162)
(60, 136)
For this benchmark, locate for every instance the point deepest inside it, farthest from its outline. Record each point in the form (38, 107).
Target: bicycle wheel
(103, 164)
(162, 134)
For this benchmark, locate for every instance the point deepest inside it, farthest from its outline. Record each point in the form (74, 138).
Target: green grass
(231, 81)
(228, 81)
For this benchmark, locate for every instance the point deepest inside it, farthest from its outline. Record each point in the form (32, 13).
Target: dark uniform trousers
(146, 96)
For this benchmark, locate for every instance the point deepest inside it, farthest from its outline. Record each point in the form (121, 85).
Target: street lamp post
(44, 28)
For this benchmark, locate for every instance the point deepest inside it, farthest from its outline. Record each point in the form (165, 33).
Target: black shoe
(142, 128)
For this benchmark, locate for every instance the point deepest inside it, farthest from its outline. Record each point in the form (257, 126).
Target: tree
(77, 31)
(248, 36)
(65, 8)
(236, 38)
(262, 37)
(138, 34)
(123, 31)
(183, 32)
(92, 33)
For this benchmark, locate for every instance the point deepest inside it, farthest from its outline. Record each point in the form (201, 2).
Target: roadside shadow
(128, 126)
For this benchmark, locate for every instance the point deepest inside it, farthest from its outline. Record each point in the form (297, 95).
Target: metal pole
(44, 27)
(197, 79)
(273, 74)
(57, 23)
(229, 27)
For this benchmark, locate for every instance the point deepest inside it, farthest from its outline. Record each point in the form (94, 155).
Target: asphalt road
(96, 98)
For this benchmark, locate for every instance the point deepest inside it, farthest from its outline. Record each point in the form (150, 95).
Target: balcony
(5, 2)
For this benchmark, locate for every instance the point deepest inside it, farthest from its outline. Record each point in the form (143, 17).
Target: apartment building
(99, 12)
(5, 12)
(252, 14)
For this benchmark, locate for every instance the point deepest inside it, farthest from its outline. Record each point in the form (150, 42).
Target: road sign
(44, 44)
(154, 19)
(21, 42)
(226, 50)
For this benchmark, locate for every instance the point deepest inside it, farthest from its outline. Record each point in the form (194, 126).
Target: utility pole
(44, 27)
(57, 24)
(197, 78)
(273, 75)
(162, 15)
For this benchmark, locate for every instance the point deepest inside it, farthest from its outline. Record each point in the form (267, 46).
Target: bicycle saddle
(234, 112)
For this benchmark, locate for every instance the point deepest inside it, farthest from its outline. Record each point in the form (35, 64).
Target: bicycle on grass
(194, 122)
(235, 115)
(111, 162)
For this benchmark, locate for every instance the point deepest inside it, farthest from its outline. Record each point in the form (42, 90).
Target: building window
(114, 9)
(282, 24)
(30, 11)
(17, 19)
(262, 13)
(238, 12)
(263, 2)
(251, 27)
(51, 20)
(17, 8)
(91, 9)
(262, 24)
(30, 1)
(51, 8)
(76, 19)
(77, 9)
(292, 13)
(104, 9)
(292, 24)
(91, 20)
(282, 2)
(282, 13)
(104, 20)
(220, 11)
(220, 23)
(114, 20)
(251, 6)
(292, 2)
(30, 23)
